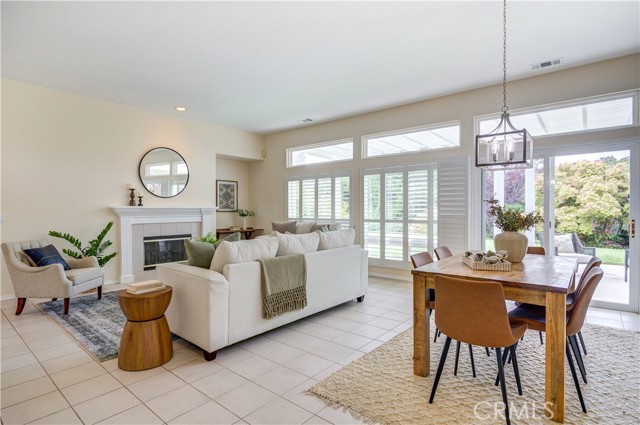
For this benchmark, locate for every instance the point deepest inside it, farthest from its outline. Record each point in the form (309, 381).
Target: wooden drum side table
(146, 339)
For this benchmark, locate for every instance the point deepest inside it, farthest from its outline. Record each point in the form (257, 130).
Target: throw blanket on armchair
(284, 284)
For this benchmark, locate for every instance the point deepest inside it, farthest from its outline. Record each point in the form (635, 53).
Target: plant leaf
(67, 237)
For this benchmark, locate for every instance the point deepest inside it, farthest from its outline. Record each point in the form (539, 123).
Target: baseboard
(391, 276)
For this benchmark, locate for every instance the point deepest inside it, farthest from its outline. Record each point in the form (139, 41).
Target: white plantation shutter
(308, 198)
(452, 204)
(419, 194)
(325, 198)
(293, 199)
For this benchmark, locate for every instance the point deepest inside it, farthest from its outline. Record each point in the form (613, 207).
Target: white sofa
(213, 310)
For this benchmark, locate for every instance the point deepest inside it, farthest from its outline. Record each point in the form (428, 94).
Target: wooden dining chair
(475, 312)
(534, 318)
(442, 252)
(537, 250)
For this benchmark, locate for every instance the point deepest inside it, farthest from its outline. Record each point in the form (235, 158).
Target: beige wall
(230, 169)
(66, 159)
(268, 177)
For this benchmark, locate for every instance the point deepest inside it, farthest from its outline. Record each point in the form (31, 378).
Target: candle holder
(140, 200)
(132, 195)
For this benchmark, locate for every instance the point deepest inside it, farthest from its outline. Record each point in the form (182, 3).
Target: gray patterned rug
(381, 388)
(96, 324)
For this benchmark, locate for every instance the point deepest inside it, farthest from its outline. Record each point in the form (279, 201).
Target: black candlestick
(139, 201)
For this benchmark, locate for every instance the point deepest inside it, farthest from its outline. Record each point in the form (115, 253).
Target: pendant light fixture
(504, 147)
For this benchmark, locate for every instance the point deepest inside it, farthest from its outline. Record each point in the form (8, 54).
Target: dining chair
(422, 259)
(442, 252)
(537, 250)
(475, 313)
(534, 318)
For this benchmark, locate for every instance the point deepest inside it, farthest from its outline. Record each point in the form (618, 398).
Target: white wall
(268, 177)
(67, 158)
(231, 169)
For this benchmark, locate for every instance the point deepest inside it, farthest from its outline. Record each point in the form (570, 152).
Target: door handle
(632, 227)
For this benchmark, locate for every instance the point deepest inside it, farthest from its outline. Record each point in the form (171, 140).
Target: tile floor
(47, 378)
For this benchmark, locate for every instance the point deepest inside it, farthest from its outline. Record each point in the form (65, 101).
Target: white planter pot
(514, 243)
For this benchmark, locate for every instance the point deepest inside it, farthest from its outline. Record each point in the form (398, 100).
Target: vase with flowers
(512, 221)
(244, 214)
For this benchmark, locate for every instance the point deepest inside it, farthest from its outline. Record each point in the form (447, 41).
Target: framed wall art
(227, 195)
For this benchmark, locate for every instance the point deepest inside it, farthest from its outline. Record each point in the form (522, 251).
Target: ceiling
(263, 66)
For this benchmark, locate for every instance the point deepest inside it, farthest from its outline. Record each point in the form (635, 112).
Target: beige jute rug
(380, 387)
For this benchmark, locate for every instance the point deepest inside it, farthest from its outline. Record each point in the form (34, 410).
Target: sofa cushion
(289, 244)
(80, 276)
(320, 227)
(201, 253)
(304, 227)
(564, 243)
(336, 239)
(334, 226)
(288, 226)
(45, 256)
(243, 251)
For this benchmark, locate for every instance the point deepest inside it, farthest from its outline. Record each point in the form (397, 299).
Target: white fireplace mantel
(130, 216)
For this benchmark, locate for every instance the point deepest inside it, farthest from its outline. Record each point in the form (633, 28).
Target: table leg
(421, 358)
(556, 330)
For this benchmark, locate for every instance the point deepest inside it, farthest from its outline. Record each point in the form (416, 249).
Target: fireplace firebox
(163, 249)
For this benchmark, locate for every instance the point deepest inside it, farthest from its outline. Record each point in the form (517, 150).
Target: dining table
(538, 279)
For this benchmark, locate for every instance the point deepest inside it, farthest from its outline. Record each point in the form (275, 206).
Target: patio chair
(569, 245)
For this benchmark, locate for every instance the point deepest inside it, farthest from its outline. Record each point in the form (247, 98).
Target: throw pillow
(243, 252)
(201, 253)
(564, 243)
(304, 227)
(334, 226)
(45, 256)
(288, 226)
(289, 244)
(320, 227)
(336, 239)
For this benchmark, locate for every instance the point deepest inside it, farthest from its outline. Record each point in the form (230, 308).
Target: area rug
(381, 388)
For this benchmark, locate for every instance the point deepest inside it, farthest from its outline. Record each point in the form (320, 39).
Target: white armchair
(49, 281)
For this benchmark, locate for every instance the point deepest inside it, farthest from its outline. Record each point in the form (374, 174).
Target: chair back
(594, 262)
(13, 251)
(442, 252)
(421, 259)
(473, 312)
(583, 298)
(537, 250)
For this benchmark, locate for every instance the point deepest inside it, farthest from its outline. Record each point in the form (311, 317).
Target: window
(596, 113)
(418, 139)
(325, 198)
(337, 150)
(399, 217)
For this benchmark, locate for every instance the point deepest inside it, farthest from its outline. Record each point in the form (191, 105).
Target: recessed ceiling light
(305, 120)
(180, 108)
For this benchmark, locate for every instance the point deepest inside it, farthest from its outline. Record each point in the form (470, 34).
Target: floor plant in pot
(512, 221)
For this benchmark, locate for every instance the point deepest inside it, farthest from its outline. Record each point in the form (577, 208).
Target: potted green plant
(244, 214)
(512, 221)
(96, 246)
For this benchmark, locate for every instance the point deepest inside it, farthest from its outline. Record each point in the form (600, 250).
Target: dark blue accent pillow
(45, 256)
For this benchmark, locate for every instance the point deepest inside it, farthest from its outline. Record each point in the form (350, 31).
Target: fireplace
(163, 249)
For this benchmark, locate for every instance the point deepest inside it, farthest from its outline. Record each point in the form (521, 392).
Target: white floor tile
(280, 380)
(177, 402)
(77, 374)
(18, 376)
(27, 391)
(596, 320)
(127, 377)
(309, 364)
(91, 388)
(209, 413)
(368, 331)
(332, 351)
(66, 362)
(352, 340)
(219, 383)
(155, 386)
(18, 362)
(277, 412)
(105, 406)
(245, 399)
(57, 351)
(195, 370)
(139, 414)
(181, 357)
(300, 397)
(63, 417)
(35, 408)
(338, 416)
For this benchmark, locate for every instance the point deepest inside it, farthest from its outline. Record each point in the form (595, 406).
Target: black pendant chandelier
(504, 147)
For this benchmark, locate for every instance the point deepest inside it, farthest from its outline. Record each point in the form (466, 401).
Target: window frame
(635, 113)
(317, 176)
(292, 150)
(365, 138)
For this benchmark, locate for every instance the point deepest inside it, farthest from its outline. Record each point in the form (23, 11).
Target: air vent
(546, 64)
(305, 120)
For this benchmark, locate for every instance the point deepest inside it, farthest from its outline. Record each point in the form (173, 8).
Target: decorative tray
(499, 261)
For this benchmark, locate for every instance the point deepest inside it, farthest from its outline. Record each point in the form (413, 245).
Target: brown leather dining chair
(475, 312)
(442, 252)
(534, 318)
(537, 250)
(421, 259)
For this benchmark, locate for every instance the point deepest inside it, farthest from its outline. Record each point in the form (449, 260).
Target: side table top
(143, 307)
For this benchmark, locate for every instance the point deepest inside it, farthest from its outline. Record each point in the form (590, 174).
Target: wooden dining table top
(535, 272)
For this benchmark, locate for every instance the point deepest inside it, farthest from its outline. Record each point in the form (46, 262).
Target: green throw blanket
(284, 284)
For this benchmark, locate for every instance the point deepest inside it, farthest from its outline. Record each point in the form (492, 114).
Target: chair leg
(455, 369)
(504, 360)
(584, 347)
(576, 352)
(100, 292)
(473, 364)
(435, 336)
(541, 340)
(516, 371)
(503, 386)
(443, 358)
(54, 299)
(66, 305)
(575, 377)
(488, 353)
(20, 306)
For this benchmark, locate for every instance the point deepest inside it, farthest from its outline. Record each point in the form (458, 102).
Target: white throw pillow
(336, 239)
(289, 244)
(243, 252)
(304, 227)
(564, 243)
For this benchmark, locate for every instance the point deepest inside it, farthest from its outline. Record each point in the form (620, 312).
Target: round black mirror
(164, 172)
